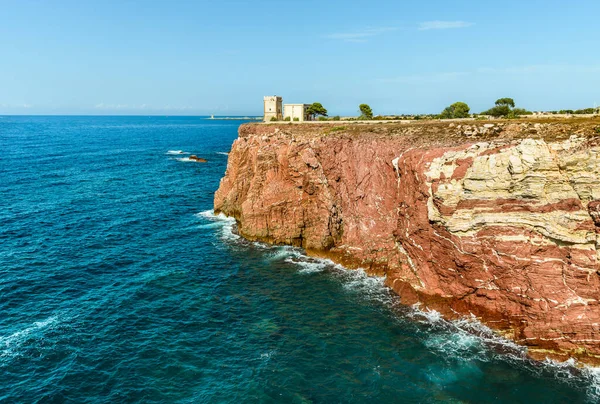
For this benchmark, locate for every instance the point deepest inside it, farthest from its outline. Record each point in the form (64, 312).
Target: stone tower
(273, 108)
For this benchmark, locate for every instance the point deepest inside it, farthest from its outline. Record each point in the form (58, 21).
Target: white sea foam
(570, 373)
(452, 343)
(210, 225)
(176, 152)
(277, 253)
(225, 223)
(267, 355)
(306, 264)
(468, 341)
(354, 281)
(10, 345)
(210, 215)
(465, 338)
(593, 374)
(358, 281)
(223, 153)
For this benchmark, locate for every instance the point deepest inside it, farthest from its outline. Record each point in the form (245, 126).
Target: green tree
(456, 110)
(504, 108)
(509, 102)
(316, 109)
(365, 111)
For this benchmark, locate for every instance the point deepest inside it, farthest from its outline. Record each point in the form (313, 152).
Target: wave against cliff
(499, 220)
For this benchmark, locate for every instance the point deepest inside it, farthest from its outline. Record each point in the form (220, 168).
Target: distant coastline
(234, 118)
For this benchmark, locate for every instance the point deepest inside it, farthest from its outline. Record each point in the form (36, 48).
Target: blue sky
(222, 57)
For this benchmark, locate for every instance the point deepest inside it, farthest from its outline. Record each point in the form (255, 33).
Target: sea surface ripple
(118, 284)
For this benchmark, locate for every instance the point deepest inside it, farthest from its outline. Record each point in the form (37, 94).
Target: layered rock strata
(500, 221)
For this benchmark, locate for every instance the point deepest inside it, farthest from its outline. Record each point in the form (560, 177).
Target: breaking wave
(468, 341)
(185, 160)
(224, 223)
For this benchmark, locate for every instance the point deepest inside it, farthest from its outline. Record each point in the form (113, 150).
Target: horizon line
(148, 115)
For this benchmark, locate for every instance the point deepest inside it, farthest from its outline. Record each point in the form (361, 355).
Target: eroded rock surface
(501, 223)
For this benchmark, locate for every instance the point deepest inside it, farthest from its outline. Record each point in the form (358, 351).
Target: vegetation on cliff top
(316, 109)
(584, 111)
(456, 110)
(365, 111)
(505, 107)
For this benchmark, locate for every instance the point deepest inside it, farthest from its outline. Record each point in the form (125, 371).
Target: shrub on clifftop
(498, 111)
(521, 111)
(456, 110)
(505, 108)
(365, 111)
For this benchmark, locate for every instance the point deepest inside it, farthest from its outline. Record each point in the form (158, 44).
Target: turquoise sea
(119, 285)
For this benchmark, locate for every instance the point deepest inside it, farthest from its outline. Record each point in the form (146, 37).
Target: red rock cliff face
(497, 221)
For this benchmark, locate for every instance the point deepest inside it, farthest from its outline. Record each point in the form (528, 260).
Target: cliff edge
(495, 219)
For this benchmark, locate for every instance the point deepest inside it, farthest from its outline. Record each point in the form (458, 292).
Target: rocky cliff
(496, 220)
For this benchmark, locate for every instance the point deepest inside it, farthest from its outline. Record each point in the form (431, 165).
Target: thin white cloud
(443, 77)
(360, 36)
(427, 25)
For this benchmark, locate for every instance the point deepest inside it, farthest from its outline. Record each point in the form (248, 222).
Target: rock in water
(197, 159)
